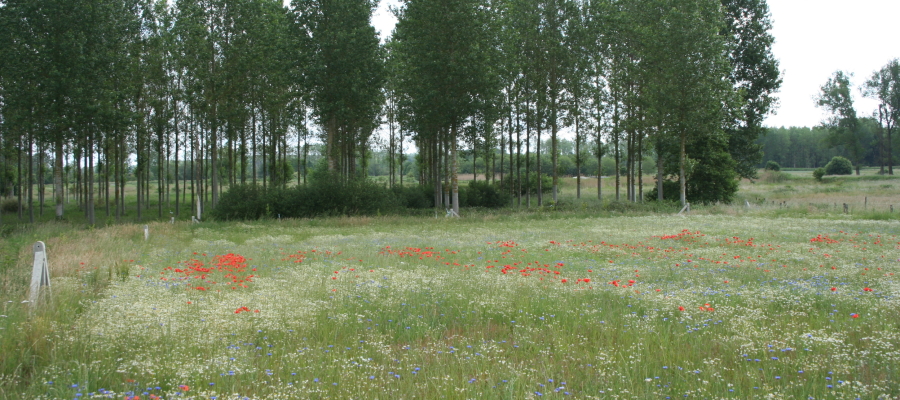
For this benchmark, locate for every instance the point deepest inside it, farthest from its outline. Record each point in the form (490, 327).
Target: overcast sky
(815, 38)
(812, 40)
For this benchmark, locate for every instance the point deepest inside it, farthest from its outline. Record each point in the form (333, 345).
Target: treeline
(864, 140)
(804, 147)
(230, 90)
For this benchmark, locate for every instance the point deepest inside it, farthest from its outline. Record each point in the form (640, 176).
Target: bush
(415, 197)
(772, 166)
(484, 194)
(775, 177)
(819, 173)
(10, 205)
(325, 197)
(839, 166)
(240, 202)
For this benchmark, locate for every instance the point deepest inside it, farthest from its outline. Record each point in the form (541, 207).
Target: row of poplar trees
(212, 93)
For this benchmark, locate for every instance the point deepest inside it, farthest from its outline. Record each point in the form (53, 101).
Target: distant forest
(804, 147)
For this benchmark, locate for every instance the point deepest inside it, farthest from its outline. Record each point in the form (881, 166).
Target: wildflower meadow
(652, 307)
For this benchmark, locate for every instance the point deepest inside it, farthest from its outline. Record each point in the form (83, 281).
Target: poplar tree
(345, 76)
(445, 51)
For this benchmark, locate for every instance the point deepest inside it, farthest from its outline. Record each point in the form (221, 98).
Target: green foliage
(839, 166)
(842, 124)
(344, 75)
(485, 194)
(282, 173)
(320, 198)
(754, 74)
(414, 197)
(240, 202)
(9, 205)
(772, 166)
(819, 173)
(884, 86)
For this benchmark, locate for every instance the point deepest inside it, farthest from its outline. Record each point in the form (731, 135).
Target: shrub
(772, 166)
(819, 173)
(416, 197)
(839, 166)
(10, 205)
(322, 197)
(240, 202)
(484, 194)
(775, 177)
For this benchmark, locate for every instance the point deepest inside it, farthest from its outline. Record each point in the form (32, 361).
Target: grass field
(736, 302)
(626, 307)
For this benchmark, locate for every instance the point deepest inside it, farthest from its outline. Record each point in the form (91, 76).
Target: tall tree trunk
(213, 159)
(659, 170)
(253, 139)
(90, 179)
(454, 179)
(31, 177)
(540, 171)
(528, 163)
(577, 154)
(58, 176)
(177, 171)
(19, 175)
(40, 181)
(640, 168)
(681, 175)
(599, 167)
(554, 157)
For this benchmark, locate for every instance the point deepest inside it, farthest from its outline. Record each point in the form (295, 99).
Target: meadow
(728, 302)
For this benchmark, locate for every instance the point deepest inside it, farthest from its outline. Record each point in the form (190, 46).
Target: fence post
(40, 273)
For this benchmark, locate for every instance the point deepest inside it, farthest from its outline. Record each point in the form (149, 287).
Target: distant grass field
(487, 306)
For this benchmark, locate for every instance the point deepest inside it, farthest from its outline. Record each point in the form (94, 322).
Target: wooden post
(892, 208)
(866, 203)
(146, 232)
(40, 273)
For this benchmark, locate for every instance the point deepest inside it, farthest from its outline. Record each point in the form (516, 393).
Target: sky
(813, 39)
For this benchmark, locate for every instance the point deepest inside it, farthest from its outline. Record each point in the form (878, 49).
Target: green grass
(402, 307)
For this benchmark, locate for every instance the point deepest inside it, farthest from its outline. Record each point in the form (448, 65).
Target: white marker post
(146, 233)
(40, 273)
